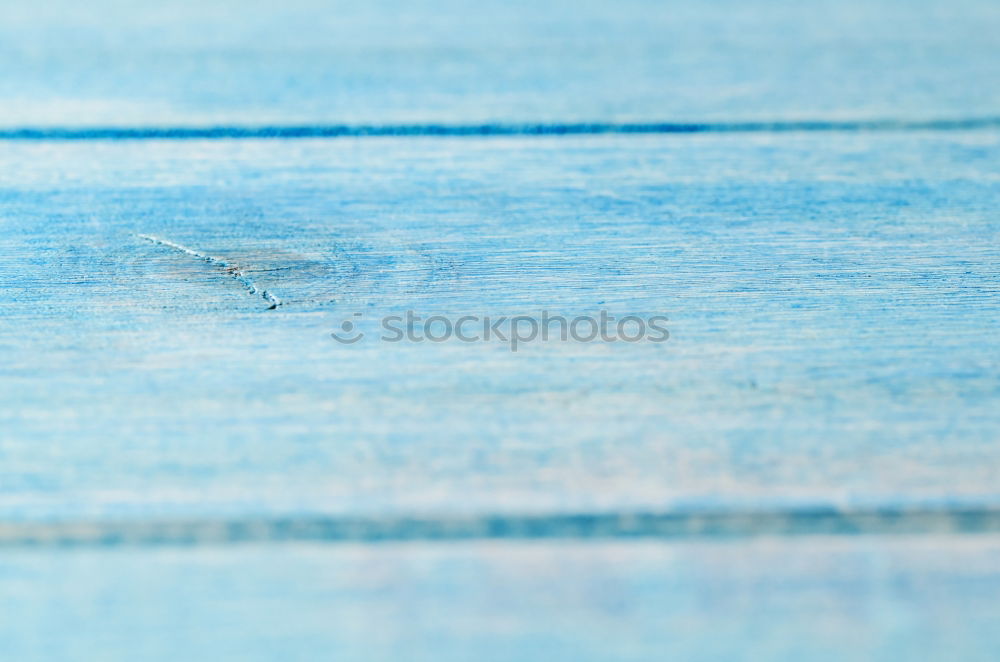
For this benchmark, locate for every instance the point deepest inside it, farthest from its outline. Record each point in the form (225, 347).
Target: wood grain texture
(310, 61)
(192, 468)
(831, 302)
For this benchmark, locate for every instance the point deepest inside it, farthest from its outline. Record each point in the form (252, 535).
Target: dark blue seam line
(617, 526)
(472, 130)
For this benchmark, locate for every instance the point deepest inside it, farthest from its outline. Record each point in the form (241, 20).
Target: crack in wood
(232, 269)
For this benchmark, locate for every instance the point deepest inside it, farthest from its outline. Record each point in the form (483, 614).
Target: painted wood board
(832, 301)
(191, 467)
(225, 62)
(814, 599)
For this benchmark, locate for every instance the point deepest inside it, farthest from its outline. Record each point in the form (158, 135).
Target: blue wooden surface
(830, 310)
(110, 62)
(832, 366)
(814, 599)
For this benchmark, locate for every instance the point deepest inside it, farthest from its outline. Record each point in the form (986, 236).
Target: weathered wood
(832, 305)
(807, 599)
(176, 419)
(306, 61)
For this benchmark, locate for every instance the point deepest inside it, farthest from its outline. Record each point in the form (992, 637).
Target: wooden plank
(306, 61)
(191, 467)
(832, 303)
(925, 598)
